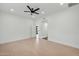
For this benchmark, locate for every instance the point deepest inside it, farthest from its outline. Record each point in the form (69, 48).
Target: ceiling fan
(32, 10)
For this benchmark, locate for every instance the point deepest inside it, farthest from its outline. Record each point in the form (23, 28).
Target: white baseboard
(64, 43)
(13, 40)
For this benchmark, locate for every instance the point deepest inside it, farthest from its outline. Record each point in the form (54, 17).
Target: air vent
(72, 4)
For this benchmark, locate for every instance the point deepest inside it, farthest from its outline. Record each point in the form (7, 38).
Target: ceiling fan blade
(29, 7)
(26, 11)
(36, 9)
(36, 13)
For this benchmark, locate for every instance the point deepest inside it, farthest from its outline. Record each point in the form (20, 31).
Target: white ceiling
(19, 8)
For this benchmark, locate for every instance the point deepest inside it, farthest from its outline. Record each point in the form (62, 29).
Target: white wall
(14, 27)
(34, 28)
(63, 27)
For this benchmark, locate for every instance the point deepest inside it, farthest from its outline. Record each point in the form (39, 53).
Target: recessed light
(61, 3)
(11, 9)
(43, 12)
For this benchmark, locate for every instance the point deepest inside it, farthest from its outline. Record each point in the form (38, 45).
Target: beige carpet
(29, 47)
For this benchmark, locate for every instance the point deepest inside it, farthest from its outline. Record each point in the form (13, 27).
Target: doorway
(43, 30)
